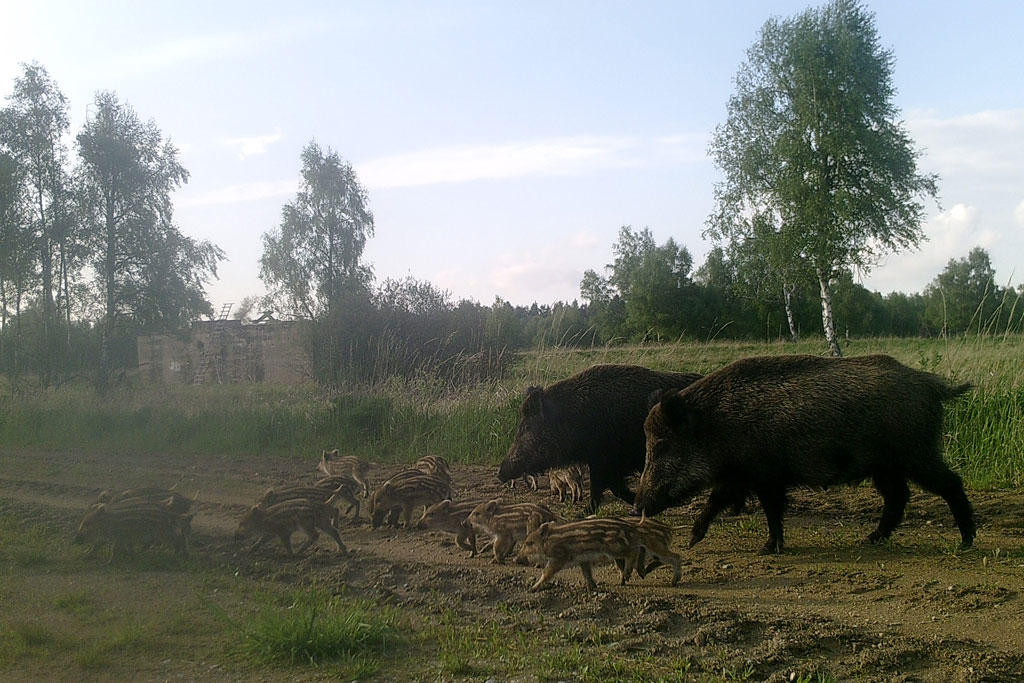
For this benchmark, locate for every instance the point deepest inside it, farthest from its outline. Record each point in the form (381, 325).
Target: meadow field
(405, 605)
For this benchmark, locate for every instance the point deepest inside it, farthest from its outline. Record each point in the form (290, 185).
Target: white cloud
(546, 157)
(980, 161)
(951, 234)
(252, 146)
(244, 192)
(987, 141)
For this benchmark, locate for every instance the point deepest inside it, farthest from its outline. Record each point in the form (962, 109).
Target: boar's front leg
(502, 546)
(597, 487)
(720, 499)
(550, 569)
(466, 539)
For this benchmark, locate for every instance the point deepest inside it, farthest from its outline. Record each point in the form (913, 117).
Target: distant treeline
(409, 328)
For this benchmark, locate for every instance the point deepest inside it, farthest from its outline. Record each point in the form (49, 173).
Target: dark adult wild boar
(594, 418)
(764, 425)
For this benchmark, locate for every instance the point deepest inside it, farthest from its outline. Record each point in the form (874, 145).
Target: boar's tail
(957, 390)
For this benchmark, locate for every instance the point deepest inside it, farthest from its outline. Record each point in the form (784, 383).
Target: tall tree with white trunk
(814, 155)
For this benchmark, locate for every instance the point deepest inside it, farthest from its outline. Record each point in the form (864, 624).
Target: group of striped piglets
(545, 537)
(143, 517)
(140, 516)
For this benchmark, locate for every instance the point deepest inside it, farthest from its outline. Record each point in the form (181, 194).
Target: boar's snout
(646, 503)
(509, 470)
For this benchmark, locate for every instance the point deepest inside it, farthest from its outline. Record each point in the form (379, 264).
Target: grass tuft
(316, 628)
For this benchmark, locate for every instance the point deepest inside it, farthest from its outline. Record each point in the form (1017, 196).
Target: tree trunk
(67, 293)
(828, 322)
(46, 269)
(16, 356)
(110, 268)
(788, 292)
(3, 319)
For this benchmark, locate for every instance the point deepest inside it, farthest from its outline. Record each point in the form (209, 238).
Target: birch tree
(147, 272)
(813, 152)
(35, 121)
(313, 259)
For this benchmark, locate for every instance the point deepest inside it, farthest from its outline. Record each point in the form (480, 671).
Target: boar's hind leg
(588, 576)
(895, 494)
(773, 502)
(946, 483)
(311, 536)
(333, 533)
(720, 499)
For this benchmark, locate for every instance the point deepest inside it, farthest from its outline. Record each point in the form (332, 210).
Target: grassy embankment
(402, 420)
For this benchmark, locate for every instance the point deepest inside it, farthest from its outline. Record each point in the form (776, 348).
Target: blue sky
(503, 144)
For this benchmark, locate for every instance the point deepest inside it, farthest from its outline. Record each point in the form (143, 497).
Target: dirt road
(912, 610)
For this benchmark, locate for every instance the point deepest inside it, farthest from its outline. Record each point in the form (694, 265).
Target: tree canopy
(313, 258)
(819, 173)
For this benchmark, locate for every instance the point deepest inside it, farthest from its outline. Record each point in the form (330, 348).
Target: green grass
(29, 546)
(21, 640)
(400, 421)
(312, 627)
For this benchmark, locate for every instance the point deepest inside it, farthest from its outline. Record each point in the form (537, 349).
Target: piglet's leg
(550, 569)
(588, 576)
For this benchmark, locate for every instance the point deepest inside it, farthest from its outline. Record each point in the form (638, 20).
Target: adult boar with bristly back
(594, 418)
(764, 425)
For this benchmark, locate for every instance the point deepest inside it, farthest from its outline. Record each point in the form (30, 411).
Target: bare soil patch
(911, 610)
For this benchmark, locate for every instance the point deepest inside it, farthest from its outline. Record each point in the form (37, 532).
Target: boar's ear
(334, 453)
(679, 415)
(534, 401)
(544, 529)
(491, 506)
(445, 505)
(655, 397)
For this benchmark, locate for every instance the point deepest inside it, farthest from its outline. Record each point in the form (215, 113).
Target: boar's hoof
(877, 537)
(772, 547)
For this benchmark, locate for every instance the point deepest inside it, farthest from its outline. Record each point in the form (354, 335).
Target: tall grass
(400, 420)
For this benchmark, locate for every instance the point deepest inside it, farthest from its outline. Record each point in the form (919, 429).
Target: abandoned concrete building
(225, 352)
